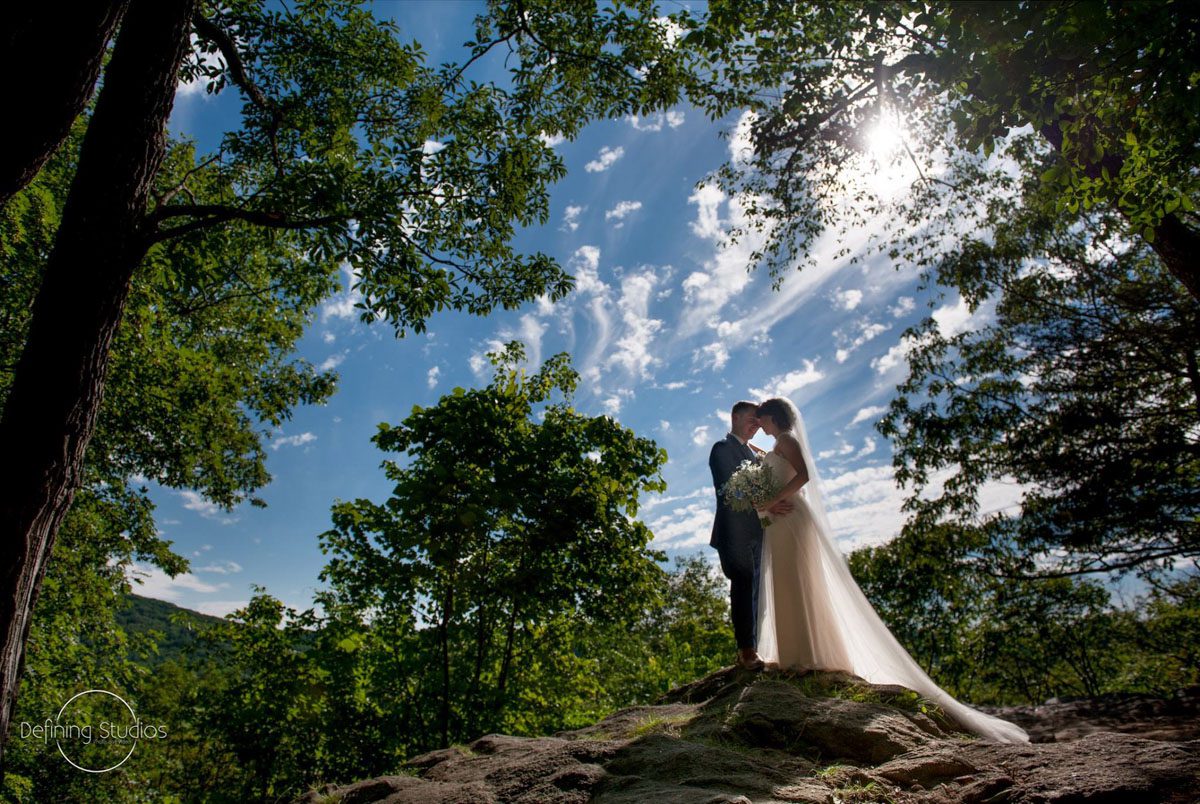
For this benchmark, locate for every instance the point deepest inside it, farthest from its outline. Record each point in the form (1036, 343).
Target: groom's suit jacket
(730, 525)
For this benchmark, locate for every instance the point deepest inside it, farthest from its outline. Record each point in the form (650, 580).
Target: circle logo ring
(93, 770)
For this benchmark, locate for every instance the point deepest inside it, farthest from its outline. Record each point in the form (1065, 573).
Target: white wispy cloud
(951, 319)
(150, 581)
(867, 332)
(478, 361)
(551, 140)
(431, 377)
(197, 88)
(605, 159)
(633, 350)
(741, 145)
(700, 435)
(848, 299)
(655, 500)
(208, 509)
(571, 217)
(714, 356)
(867, 413)
(342, 304)
(785, 385)
(293, 441)
(865, 503)
(686, 526)
(843, 450)
(333, 361)
(708, 199)
(656, 121)
(223, 568)
(723, 276)
(622, 210)
(584, 265)
(613, 404)
(219, 608)
(904, 304)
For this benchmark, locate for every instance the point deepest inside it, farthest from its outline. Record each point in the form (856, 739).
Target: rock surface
(1176, 718)
(777, 736)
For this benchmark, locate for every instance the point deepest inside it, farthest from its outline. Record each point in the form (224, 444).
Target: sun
(883, 145)
(884, 138)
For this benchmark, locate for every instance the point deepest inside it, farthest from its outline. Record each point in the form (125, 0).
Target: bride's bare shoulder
(787, 446)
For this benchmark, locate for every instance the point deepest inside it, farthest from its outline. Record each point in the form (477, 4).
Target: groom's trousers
(740, 560)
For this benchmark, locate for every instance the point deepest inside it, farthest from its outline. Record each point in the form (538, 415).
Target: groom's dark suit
(738, 539)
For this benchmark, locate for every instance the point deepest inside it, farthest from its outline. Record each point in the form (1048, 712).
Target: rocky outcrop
(777, 736)
(1175, 718)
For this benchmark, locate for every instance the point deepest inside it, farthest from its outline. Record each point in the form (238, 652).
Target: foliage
(414, 175)
(1000, 641)
(337, 164)
(500, 534)
(1109, 86)
(1083, 388)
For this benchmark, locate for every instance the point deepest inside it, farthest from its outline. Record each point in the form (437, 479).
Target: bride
(811, 613)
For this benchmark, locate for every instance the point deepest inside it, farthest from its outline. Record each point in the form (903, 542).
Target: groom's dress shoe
(750, 661)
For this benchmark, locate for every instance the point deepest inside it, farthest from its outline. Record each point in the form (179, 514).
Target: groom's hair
(742, 407)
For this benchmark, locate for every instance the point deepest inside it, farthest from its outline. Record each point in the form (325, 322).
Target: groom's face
(745, 424)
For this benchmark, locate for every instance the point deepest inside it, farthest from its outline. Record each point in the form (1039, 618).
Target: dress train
(812, 614)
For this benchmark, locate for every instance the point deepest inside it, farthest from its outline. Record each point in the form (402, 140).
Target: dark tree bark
(51, 78)
(58, 384)
(1178, 246)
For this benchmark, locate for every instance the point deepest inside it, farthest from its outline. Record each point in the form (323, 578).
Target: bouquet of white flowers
(751, 486)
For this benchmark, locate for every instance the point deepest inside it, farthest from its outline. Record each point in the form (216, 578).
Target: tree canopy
(1111, 87)
(351, 151)
(502, 533)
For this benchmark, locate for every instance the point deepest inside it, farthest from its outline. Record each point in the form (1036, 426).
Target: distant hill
(149, 614)
(146, 613)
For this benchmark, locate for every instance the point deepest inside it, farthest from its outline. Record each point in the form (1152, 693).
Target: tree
(199, 366)
(333, 150)
(1085, 389)
(1111, 87)
(66, 75)
(501, 533)
(1003, 641)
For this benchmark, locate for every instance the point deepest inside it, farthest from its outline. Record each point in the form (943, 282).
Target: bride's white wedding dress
(812, 614)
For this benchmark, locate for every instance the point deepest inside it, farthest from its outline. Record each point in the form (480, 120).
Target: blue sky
(666, 326)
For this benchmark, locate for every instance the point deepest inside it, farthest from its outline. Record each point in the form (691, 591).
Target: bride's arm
(789, 448)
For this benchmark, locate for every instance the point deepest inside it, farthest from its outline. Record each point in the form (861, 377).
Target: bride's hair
(780, 411)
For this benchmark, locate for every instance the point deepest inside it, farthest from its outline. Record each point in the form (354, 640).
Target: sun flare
(884, 138)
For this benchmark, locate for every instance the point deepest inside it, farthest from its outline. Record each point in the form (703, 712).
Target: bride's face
(768, 426)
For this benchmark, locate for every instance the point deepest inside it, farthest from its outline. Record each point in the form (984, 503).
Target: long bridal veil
(874, 653)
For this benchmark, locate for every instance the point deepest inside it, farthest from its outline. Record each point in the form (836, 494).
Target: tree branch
(165, 198)
(233, 59)
(224, 42)
(214, 214)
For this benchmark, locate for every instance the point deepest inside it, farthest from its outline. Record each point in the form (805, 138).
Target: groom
(738, 536)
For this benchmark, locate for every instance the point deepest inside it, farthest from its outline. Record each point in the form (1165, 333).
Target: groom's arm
(722, 461)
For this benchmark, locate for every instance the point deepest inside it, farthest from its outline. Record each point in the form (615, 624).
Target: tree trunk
(59, 381)
(53, 56)
(1176, 244)
(444, 635)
